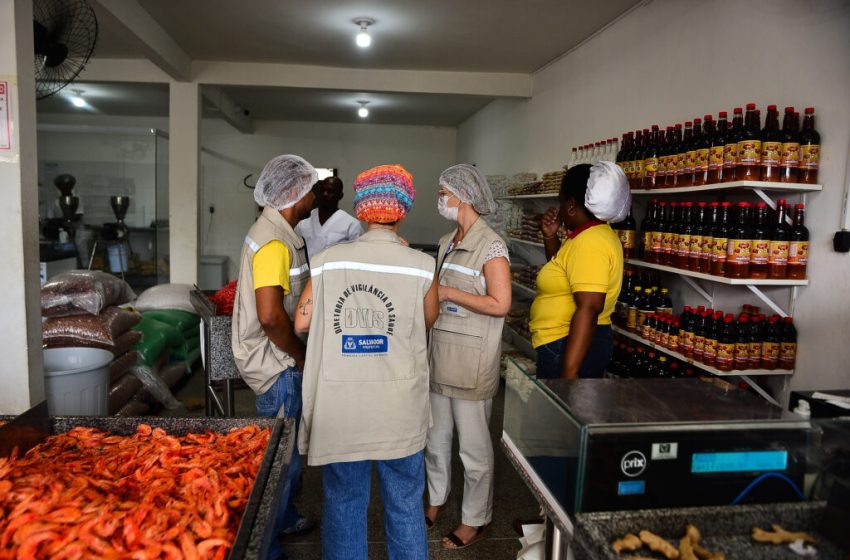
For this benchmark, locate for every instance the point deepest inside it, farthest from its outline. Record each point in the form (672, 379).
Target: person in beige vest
(272, 273)
(465, 351)
(368, 306)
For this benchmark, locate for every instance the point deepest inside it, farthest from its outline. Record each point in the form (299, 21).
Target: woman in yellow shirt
(578, 288)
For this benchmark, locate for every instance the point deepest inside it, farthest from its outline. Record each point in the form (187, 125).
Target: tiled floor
(511, 498)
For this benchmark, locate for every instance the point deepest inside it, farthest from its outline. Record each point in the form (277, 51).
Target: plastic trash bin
(76, 381)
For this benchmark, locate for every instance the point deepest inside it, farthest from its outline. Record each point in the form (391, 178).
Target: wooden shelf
(717, 279)
(524, 242)
(709, 369)
(524, 289)
(751, 185)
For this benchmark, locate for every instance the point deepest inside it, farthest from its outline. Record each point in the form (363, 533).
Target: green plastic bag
(156, 337)
(177, 318)
(185, 349)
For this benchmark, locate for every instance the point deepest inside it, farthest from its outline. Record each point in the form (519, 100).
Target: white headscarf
(608, 196)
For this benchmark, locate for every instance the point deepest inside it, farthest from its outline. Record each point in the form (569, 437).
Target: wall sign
(5, 119)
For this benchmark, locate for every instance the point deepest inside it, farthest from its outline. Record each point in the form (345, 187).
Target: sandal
(457, 543)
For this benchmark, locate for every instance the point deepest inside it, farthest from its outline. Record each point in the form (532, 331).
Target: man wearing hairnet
(272, 273)
(465, 351)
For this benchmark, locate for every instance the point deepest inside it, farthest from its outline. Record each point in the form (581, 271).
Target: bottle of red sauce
(742, 343)
(749, 147)
(686, 230)
(685, 174)
(698, 227)
(780, 237)
(809, 149)
(720, 238)
(676, 166)
(756, 340)
(650, 160)
(702, 152)
(770, 344)
(730, 152)
(798, 247)
(646, 229)
(693, 147)
(771, 146)
(664, 156)
(712, 335)
(788, 346)
(706, 253)
(671, 230)
(715, 152)
(760, 249)
(658, 225)
(726, 341)
(789, 161)
(738, 248)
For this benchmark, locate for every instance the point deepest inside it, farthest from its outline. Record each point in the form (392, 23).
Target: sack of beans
(80, 292)
(122, 365)
(122, 391)
(99, 331)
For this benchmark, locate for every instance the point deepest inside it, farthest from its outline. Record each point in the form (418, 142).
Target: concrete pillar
(184, 158)
(21, 371)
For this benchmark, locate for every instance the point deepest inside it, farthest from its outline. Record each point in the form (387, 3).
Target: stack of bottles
(747, 241)
(706, 153)
(603, 150)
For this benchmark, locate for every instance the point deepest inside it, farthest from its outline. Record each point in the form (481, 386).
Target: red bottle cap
(715, 204)
(726, 204)
(738, 110)
(761, 205)
(662, 204)
(688, 123)
(757, 319)
(646, 130)
(810, 110)
(717, 315)
(678, 126)
(689, 204)
(654, 127)
(728, 318)
(700, 308)
(743, 205)
(686, 309)
(674, 204)
(789, 109)
(710, 311)
(799, 206)
(788, 320)
(697, 120)
(702, 204)
(722, 114)
(744, 319)
(707, 118)
(751, 106)
(771, 107)
(669, 129)
(575, 149)
(781, 202)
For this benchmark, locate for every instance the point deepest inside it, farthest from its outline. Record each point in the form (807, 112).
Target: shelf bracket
(769, 201)
(758, 389)
(698, 289)
(770, 303)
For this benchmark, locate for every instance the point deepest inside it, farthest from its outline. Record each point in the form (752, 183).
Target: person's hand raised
(550, 223)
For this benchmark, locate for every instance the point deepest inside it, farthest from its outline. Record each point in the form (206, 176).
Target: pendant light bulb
(363, 112)
(363, 38)
(77, 99)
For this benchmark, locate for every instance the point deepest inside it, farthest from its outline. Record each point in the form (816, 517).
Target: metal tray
(724, 529)
(256, 526)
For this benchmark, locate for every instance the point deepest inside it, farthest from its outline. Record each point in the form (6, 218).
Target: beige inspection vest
(365, 389)
(258, 359)
(465, 347)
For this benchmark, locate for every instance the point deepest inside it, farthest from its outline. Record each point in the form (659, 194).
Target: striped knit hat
(383, 194)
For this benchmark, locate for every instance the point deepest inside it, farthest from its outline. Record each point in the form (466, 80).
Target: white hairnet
(468, 184)
(284, 181)
(608, 196)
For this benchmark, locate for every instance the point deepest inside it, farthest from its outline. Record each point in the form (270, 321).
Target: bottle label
(699, 345)
(681, 163)
(628, 168)
(760, 252)
(695, 250)
(627, 238)
(690, 160)
(755, 353)
(725, 353)
(657, 241)
(749, 152)
(810, 156)
(686, 340)
(701, 160)
(684, 248)
(647, 241)
(742, 354)
(738, 251)
(645, 331)
(718, 253)
(706, 247)
(798, 252)
(638, 169)
(778, 253)
(790, 157)
(631, 322)
(771, 153)
(787, 354)
(667, 242)
(770, 350)
(650, 166)
(673, 342)
(730, 156)
(709, 348)
(663, 163)
(715, 157)
(664, 339)
(641, 319)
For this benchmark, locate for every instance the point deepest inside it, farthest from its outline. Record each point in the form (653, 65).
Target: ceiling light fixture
(363, 39)
(77, 99)
(363, 112)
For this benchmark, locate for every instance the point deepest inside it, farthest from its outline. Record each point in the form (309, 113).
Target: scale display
(739, 461)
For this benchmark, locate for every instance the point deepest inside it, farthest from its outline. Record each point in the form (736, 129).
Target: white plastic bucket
(119, 257)
(76, 381)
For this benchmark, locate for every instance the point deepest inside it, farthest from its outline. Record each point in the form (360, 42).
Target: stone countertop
(222, 364)
(724, 529)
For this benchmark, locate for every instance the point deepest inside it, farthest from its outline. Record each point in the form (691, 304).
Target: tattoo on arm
(303, 307)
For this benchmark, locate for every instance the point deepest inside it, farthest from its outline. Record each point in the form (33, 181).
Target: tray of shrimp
(144, 488)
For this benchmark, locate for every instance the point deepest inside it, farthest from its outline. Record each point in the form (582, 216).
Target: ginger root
(780, 536)
(657, 544)
(628, 543)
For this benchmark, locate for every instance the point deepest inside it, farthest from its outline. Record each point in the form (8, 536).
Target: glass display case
(107, 165)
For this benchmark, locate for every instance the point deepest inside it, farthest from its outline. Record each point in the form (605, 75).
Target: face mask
(444, 209)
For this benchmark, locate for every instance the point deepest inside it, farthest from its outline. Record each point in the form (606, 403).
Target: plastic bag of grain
(80, 292)
(134, 408)
(122, 391)
(156, 387)
(122, 365)
(101, 331)
(166, 296)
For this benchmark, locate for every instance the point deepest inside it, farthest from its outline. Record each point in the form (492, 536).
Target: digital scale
(631, 444)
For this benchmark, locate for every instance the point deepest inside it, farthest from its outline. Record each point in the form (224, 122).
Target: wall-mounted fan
(65, 34)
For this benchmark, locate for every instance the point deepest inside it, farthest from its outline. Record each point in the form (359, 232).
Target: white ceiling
(474, 35)
(124, 99)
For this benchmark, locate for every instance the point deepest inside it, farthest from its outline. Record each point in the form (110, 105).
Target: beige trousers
(472, 420)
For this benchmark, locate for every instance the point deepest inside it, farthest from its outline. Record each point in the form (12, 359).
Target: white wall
(671, 60)
(229, 156)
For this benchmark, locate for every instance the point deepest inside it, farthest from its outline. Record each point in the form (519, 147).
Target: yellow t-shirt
(271, 266)
(592, 261)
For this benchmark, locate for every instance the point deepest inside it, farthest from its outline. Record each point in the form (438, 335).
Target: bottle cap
(700, 309)
(771, 107)
(781, 201)
(799, 206)
(654, 127)
(722, 114)
(717, 315)
(662, 204)
(662, 359)
(761, 205)
(702, 204)
(678, 126)
(697, 120)
(789, 109)
(674, 204)
(575, 149)
(689, 204)
(788, 320)
(726, 204)
(744, 319)
(743, 205)
(751, 106)
(710, 311)
(810, 110)
(728, 318)
(707, 118)
(738, 110)
(688, 123)
(715, 204)
(686, 309)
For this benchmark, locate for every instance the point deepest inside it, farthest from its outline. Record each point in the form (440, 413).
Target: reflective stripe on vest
(465, 270)
(384, 268)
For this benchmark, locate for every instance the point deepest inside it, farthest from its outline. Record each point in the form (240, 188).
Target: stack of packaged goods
(517, 319)
(519, 182)
(552, 182)
(529, 228)
(527, 276)
(705, 153)
(749, 241)
(498, 185)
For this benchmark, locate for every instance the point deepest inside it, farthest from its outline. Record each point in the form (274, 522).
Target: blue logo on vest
(364, 344)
